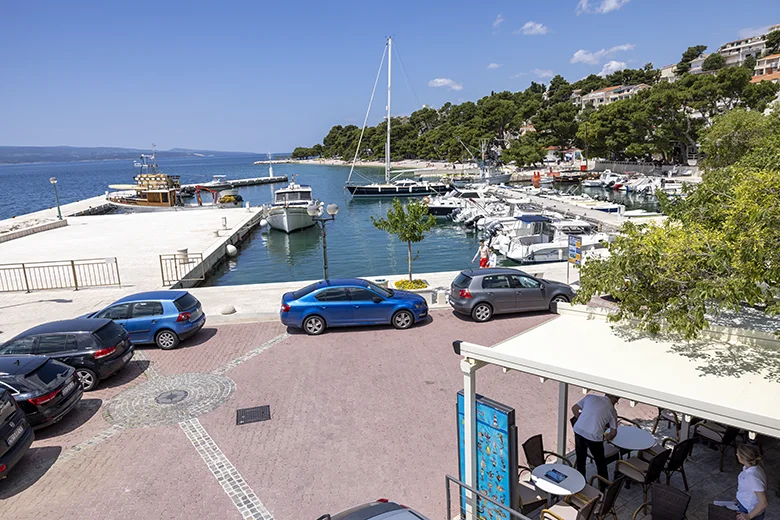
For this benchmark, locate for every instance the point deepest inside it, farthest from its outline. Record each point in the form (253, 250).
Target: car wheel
(402, 320)
(314, 325)
(166, 339)
(558, 299)
(87, 378)
(482, 312)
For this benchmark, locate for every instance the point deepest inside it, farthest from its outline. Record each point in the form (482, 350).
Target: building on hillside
(668, 73)
(697, 64)
(774, 77)
(738, 51)
(768, 64)
(576, 96)
(605, 96)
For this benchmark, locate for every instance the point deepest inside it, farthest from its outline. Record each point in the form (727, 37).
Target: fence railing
(62, 274)
(472, 501)
(178, 267)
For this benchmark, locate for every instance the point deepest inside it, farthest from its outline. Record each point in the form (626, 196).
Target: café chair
(721, 436)
(565, 511)
(536, 455)
(671, 417)
(608, 497)
(643, 472)
(529, 496)
(676, 463)
(666, 503)
(719, 513)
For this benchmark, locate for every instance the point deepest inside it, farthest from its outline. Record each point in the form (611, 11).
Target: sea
(354, 246)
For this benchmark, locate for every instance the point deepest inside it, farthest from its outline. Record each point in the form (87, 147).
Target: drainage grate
(250, 415)
(171, 397)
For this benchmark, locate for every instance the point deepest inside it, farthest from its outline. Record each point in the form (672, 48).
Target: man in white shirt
(596, 423)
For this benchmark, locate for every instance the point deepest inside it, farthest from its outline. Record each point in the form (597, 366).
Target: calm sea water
(355, 247)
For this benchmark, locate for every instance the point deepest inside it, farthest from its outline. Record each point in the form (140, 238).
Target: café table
(631, 438)
(573, 483)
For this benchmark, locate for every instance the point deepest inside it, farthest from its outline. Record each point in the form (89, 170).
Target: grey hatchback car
(481, 293)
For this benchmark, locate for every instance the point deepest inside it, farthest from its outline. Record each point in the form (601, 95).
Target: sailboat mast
(389, 84)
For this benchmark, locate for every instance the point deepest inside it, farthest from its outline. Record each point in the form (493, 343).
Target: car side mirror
(377, 299)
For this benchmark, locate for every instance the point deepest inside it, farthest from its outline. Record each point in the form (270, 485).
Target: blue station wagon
(348, 302)
(161, 317)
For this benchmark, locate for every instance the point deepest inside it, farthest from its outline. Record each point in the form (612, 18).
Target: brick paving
(357, 414)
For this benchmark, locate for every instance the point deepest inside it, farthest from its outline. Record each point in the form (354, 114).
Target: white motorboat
(289, 211)
(458, 198)
(551, 244)
(591, 183)
(218, 182)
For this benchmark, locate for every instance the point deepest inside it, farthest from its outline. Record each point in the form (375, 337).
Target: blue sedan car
(161, 317)
(351, 301)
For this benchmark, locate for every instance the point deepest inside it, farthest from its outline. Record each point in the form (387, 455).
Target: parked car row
(479, 293)
(45, 370)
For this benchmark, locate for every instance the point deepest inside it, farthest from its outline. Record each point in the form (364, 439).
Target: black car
(43, 388)
(379, 509)
(16, 435)
(96, 348)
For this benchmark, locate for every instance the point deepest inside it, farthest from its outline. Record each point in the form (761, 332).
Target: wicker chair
(714, 433)
(536, 455)
(608, 498)
(676, 463)
(645, 473)
(565, 511)
(720, 513)
(530, 498)
(671, 418)
(666, 503)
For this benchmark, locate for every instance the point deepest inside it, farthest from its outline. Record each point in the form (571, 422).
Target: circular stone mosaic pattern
(169, 400)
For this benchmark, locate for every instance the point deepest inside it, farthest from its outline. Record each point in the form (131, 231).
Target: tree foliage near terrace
(719, 248)
(662, 120)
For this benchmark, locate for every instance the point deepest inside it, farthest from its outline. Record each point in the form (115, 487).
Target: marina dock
(254, 181)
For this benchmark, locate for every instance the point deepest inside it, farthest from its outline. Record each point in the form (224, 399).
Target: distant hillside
(33, 154)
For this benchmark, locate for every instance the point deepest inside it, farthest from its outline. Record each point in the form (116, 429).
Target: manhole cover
(171, 397)
(250, 415)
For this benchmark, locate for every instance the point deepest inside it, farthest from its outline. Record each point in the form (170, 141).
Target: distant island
(37, 154)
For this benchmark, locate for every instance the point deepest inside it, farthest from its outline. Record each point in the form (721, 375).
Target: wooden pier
(254, 181)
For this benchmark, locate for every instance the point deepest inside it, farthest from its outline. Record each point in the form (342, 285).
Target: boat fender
(426, 200)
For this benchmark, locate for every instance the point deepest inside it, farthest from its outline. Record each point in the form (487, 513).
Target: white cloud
(493, 65)
(445, 82)
(498, 21)
(599, 6)
(612, 66)
(747, 32)
(518, 75)
(532, 29)
(543, 73)
(592, 58)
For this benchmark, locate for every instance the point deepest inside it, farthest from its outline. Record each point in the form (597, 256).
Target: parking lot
(356, 414)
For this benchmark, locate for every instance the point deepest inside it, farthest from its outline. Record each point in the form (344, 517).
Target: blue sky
(259, 75)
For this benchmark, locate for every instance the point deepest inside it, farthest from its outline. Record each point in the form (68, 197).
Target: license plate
(68, 388)
(127, 357)
(15, 435)
(195, 315)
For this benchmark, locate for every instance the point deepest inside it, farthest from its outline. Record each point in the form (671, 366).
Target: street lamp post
(53, 182)
(315, 211)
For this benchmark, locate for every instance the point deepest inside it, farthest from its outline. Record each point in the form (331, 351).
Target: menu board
(496, 457)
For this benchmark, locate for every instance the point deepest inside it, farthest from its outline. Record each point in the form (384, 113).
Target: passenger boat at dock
(289, 211)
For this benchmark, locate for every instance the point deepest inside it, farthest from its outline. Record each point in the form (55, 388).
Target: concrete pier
(254, 181)
(607, 222)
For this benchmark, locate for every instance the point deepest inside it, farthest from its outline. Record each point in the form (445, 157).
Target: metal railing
(179, 267)
(470, 498)
(62, 274)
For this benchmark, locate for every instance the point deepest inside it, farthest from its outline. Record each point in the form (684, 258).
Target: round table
(573, 483)
(633, 439)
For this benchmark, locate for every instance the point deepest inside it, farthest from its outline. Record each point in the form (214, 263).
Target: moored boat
(289, 211)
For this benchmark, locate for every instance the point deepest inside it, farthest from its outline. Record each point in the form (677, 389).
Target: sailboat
(392, 186)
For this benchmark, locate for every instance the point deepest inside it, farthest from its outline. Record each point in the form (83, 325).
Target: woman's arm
(760, 508)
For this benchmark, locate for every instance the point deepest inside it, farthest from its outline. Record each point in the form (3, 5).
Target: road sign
(575, 249)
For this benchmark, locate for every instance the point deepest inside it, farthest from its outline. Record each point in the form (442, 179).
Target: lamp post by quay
(315, 211)
(53, 182)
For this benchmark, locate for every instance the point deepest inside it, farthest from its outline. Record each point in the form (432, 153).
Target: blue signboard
(575, 249)
(496, 456)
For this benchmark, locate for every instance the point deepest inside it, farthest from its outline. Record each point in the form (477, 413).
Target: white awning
(734, 385)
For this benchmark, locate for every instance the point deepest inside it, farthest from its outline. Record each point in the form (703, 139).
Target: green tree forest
(663, 121)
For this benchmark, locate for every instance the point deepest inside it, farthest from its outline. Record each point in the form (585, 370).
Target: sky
(261, 76)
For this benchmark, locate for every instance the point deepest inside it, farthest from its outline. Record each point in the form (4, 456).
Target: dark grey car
(381, 509)
(481, 293)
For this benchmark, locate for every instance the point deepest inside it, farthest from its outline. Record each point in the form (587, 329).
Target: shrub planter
(426, 291)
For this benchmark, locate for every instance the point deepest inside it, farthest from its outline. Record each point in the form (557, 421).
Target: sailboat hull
(389, 190)
(289, 219)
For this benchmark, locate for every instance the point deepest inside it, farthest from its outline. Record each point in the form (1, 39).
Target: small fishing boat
(289, 211)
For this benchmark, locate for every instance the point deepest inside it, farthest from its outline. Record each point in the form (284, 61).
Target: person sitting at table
(596, 422)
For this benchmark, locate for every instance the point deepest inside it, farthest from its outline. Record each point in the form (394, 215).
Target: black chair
(666, 503)
(676, 463)
(671, 418)
(720, 513)
(721, 436)
(608, 497)
(529, 497)
(644, 472)
(536, 455)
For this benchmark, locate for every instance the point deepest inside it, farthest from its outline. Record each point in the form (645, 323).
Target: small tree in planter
(409, 223)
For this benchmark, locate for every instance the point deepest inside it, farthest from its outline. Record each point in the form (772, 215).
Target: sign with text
(575, 249)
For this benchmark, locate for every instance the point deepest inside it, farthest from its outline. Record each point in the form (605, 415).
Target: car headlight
(420, 305)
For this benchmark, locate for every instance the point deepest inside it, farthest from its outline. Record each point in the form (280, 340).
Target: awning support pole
(685, 427)
(469, 369)
(563, 412)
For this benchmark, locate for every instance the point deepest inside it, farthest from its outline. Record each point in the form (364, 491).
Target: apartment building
(767, 64)
(738, 51)
(605, 96)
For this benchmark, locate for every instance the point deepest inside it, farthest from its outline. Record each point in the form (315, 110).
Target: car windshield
(462, 281)
(300, 293)
(185, 302)
(385, 293)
